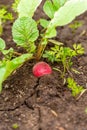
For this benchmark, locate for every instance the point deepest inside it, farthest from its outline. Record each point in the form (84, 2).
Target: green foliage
(26, 8)
(67, 13)
(44, 23)
(63, 55)
(75, 25)
(51, 6)
(2, 44)
(51, 33)
(8, 66)
(9, 63)
(76, 89)
(55, 42)
(8, 54)
(86, 110)
(15, 5)
(78, 49)
(59, 3)
(15, 126)
(25, 35)
(4, 16)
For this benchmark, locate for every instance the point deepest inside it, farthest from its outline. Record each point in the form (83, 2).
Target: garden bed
(45, 103)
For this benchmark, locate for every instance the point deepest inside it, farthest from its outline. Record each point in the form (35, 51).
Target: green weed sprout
(72, 85)
(75, 25)
(15, 126)
(4, 16)
(63, 55)
(15, 4)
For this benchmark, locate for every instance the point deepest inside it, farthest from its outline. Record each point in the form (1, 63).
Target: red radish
(41, 69)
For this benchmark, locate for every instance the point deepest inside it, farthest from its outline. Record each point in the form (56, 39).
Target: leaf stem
(17, 53)
(40, 49)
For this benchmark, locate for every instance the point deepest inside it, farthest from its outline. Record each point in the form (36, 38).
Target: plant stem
(17, 53)
(40, 49)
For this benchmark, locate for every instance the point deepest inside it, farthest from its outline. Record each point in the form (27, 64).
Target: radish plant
(10, 62)
(26, 34)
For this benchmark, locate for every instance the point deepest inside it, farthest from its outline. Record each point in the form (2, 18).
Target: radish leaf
(2, 44)
(67, 13)
(25, 32)
(27, 7)
(7, 67)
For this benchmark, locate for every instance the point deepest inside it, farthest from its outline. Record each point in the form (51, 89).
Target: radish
(41, 69)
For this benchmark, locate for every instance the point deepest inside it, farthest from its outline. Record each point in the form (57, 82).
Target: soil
(45, 103)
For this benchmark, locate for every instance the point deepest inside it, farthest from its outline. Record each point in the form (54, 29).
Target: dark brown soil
(45, 103)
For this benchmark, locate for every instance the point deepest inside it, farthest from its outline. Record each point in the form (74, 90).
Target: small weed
(86, 110)
(64, 55)
(75, 25)
(4, 16)
(15, 126)
(15, 4)
(76, 89)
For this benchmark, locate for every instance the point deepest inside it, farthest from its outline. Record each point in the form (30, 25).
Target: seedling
(26, 34)
(75, 25)
(15, 126)
(63, 55)
(86, 110)
(4, 16)
(76, 89)
(15, 4)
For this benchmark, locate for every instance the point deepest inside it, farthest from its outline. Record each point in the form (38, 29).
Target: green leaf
(67, 13)
(78, 49)
(15, 5)
(55, 42)
(44, 23)
(15, 126)
(49, 8)
(26, 8)
(59, 3)
(51, 33)
(75, 25)
(2, 72)
(6, 52)
(7, 67)
(4, 15)
(75, 88)
(2, 44)
(24, 31)
(1, 28)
